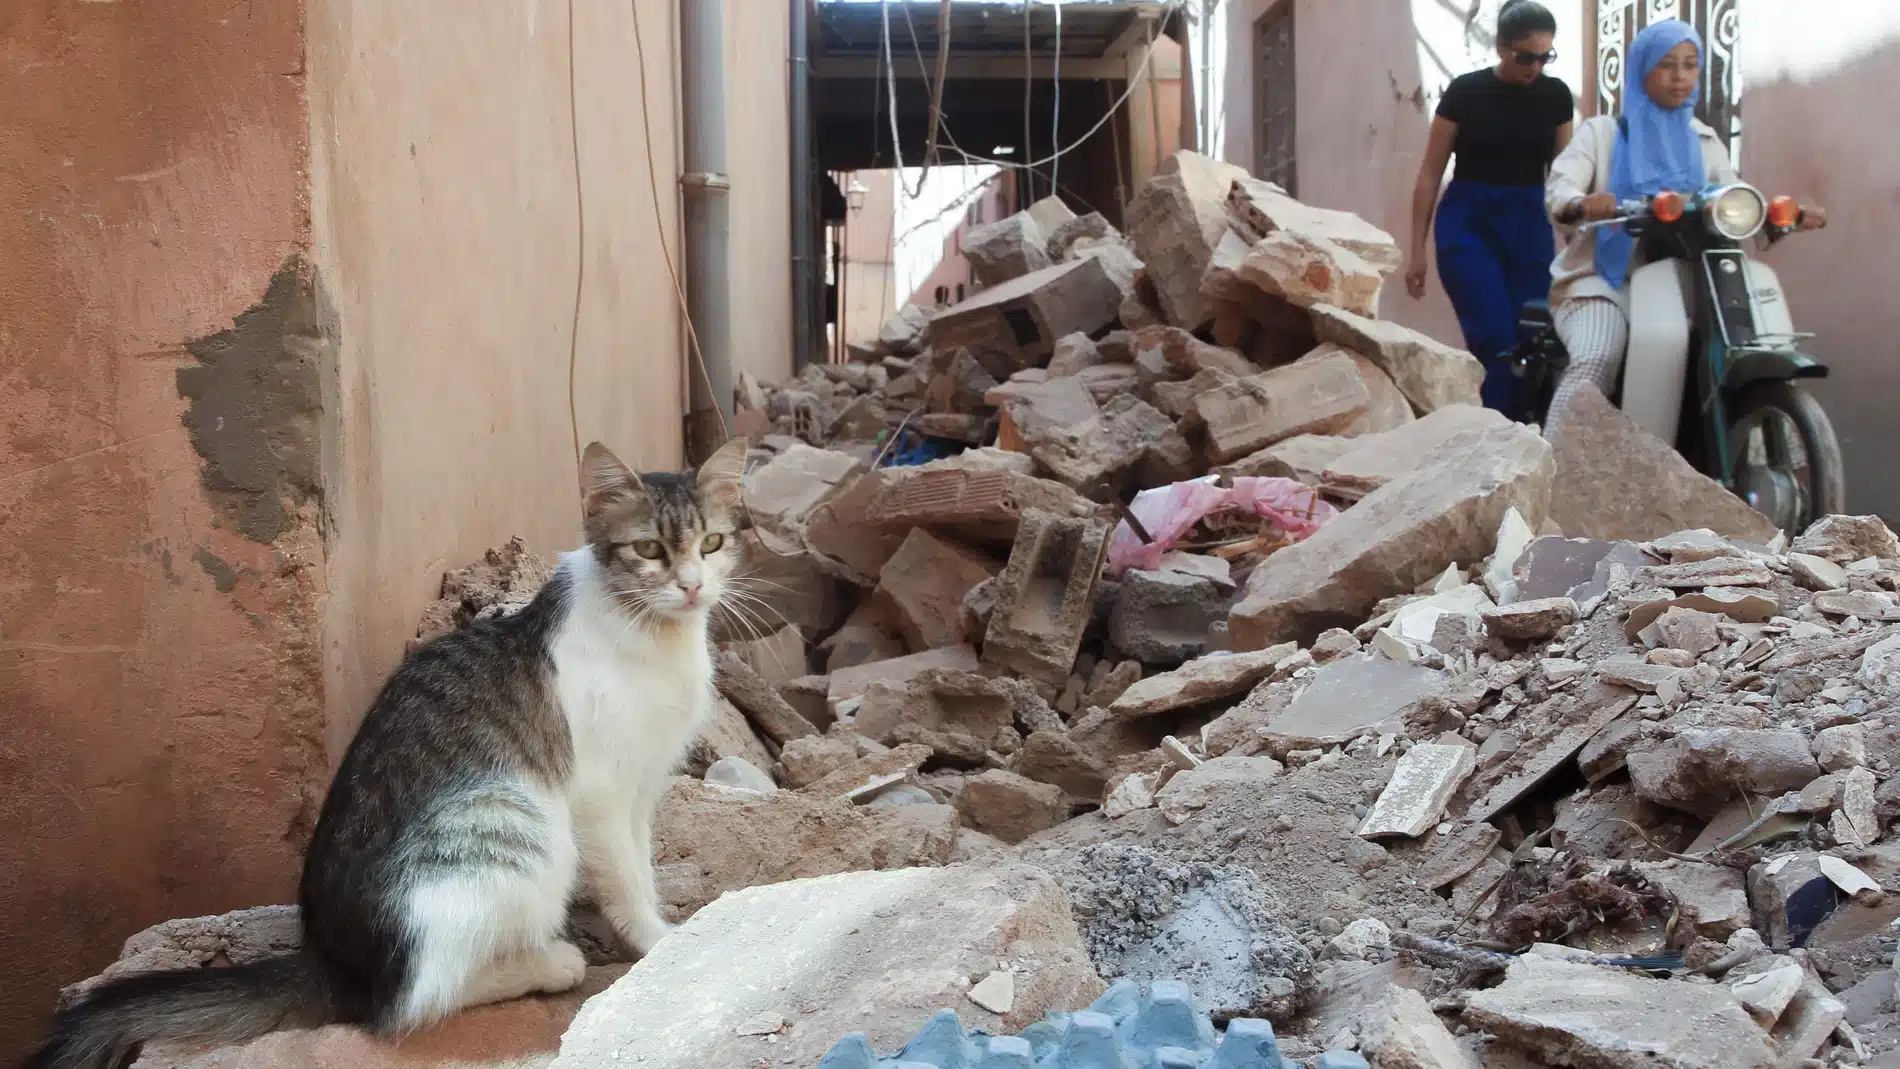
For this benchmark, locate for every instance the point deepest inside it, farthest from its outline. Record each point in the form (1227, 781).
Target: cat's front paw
(647, 932)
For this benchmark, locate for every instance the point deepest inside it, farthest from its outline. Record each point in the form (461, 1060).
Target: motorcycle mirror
(1667, 206)
(1784, 212)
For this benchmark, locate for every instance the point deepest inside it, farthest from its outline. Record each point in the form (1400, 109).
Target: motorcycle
(1740, 414)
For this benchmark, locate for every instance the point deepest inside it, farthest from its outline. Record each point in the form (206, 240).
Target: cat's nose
(691, 591)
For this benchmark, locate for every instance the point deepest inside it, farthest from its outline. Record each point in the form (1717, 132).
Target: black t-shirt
(1507, 134)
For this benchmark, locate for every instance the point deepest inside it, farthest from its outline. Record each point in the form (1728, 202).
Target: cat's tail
(214, 1007)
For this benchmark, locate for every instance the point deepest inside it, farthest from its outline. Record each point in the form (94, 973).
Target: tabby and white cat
(500, 766)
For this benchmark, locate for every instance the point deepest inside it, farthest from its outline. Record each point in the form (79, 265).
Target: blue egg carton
(1126, 1028)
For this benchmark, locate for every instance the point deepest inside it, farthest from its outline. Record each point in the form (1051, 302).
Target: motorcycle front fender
(1747, 366)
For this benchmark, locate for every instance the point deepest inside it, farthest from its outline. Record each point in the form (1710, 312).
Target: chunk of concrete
(1207, 679)
(982, 506)
(782, 493)
(1019, 321)
(761, 704)
(1046, 595)
(711, 840)
(1051, 756)
(1318, 396)
(1847, 539)
(1174, 221)
(923, 585)
(1700, 769)
(1381, 458)
(1690, 630)
(1432, 375)
(1530, 621)
(1712, 898)
(1880, 664)
(1617, 481)
(1388, 410)
(1422, 783)
(1162, 617)
(1817, 573)
(1574, 1014)
(1259, 208)
(837, 530)
(1716, 572)
(1841, 747)
(1457, 854)
(1397, 538)
(897, 672)
(1011, 807)
(865, 952)
(1129, 443)
(1008, 248)
(805, 761)
(1392, 1024)
(1348, 698)
(1307, 270)
(1190, 354)
(1146, 916)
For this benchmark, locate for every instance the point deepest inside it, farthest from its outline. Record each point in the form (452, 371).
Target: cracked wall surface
(160, 685)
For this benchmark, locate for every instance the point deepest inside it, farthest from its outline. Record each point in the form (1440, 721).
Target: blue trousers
(1495, 246)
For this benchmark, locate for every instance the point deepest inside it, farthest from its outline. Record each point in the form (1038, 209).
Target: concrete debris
(855, 953)
(1421, 786)
(1573, 1014)
(1144, 915)
(1397, 537)
(1430, 374)
(1616, 481)
(922, 587)
(1011, 807)
(1421, 679)
(1207, 679)
(1844, 540)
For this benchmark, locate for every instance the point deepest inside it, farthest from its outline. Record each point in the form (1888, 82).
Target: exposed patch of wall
(256, 404)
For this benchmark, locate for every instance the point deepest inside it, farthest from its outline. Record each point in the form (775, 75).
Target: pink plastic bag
(1169, 512)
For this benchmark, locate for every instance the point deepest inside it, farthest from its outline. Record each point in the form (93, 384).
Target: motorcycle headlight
(1736, 212)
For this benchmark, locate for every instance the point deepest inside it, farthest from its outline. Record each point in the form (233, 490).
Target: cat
(500, 767)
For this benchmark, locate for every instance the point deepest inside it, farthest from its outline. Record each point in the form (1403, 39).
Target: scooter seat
(1534, 313)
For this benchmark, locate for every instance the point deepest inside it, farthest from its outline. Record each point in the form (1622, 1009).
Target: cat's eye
(712, 543)
(650, 550)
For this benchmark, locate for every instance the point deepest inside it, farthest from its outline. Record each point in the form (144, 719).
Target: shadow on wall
(1811, 139)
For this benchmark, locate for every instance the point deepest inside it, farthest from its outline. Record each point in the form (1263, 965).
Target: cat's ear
(604, 479)
(719, 476)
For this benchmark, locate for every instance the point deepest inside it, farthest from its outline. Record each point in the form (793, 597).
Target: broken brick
(1306, 270)
(1430, 373)
(1008, 248)
(1046, 595)
(1174, 221)
(1259, 208)
(1317, 397)
(1021, 319)
(980, 506)
(923, 585)
(1011, 807)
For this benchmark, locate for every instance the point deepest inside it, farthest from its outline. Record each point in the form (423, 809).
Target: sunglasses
(1527, 59)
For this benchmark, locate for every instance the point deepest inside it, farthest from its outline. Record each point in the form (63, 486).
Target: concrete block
(761, 704)
(833, 956)
(1020, 320)
(1011, 807)
(922, 588)
(1174, 222)
(1008, 248)
(1321, 396)
(980, 506)
(1432, 375)
(1046, 594)
(1422, 785)
(1162, 617)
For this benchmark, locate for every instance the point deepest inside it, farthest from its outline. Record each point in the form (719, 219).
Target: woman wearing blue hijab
(1659, 146)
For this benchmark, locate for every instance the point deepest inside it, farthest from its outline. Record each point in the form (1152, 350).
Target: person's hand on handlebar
(1593, 208)
(1812, 218)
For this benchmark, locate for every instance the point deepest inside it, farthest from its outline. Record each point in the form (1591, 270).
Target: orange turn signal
(1783, 212)
(1667, 206)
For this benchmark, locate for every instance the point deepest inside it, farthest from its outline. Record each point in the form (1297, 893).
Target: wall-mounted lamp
(854, 194)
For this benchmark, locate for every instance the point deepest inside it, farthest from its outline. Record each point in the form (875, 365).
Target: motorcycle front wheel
(1786, 459)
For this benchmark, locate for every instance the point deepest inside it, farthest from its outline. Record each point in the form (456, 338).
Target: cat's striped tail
(213, 1007)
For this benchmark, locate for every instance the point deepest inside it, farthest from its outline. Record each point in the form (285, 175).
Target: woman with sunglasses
(1504, 124)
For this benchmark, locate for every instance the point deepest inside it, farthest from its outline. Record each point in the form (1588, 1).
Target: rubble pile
(1161, 571)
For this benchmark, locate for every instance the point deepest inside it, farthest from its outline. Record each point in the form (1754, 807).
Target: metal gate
(1719, 22)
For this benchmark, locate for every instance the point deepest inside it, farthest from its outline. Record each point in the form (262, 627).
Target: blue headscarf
(1660, 150)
